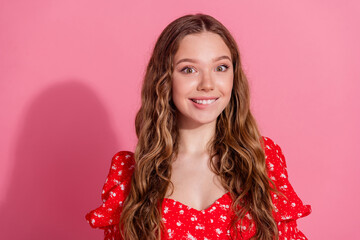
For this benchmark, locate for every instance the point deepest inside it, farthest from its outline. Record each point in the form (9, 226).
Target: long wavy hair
(237, 142)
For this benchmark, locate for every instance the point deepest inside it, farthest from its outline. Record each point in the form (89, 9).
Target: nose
(206, 82)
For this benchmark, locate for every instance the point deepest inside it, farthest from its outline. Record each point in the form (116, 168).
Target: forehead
(203, 47)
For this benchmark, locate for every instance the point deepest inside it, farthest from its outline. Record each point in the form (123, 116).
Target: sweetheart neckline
(197, 210)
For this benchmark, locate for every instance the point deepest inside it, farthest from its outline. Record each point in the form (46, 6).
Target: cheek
(178, 91)
(182, 87)
(231, 83)
(176, 88)
(227, 86)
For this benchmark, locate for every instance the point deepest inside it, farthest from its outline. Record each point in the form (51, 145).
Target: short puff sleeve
(113, 194)
(287, 211)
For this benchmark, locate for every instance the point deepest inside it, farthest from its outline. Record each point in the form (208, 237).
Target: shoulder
(123, 158)
(121, 169)
(115, 190)
(289, 205)
(270, 146)
(276, 164)
(275, 160)
(124, 161)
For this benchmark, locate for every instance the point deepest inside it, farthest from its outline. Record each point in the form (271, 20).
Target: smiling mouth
(204, 102)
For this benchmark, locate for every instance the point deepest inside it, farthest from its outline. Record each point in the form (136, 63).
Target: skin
(195, 185)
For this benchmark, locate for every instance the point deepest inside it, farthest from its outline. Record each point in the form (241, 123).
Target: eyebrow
(195, 61)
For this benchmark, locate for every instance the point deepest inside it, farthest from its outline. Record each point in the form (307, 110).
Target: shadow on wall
(61, 159)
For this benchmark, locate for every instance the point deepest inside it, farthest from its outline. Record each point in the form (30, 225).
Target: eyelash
(189, 67)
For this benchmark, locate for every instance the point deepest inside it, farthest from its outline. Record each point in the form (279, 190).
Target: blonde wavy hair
(237, 142)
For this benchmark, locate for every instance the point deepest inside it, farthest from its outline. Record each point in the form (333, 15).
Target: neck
(193, 139)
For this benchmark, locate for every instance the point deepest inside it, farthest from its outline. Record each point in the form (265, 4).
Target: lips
(204, 98)
(203, 102)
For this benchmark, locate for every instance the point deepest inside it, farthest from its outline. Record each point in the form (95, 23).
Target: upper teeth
(204, 101)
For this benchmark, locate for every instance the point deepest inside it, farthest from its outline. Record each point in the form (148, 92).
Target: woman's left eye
(224, 67)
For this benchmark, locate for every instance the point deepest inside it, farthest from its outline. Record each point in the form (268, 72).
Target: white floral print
(184, 222)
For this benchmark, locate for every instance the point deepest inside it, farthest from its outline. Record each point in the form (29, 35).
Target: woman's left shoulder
(287, 207)
(277, 167)
(274, 156)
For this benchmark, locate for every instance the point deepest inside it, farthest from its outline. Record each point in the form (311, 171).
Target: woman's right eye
(185, 70)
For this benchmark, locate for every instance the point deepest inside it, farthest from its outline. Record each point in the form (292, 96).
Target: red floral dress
(184, 222)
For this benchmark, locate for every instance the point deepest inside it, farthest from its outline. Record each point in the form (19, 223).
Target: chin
(205, 121)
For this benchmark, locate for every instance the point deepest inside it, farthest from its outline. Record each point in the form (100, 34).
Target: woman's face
(202, 79)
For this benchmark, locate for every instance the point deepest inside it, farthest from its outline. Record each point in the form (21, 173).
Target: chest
(184, 222)
(195, 186)
(199, 206)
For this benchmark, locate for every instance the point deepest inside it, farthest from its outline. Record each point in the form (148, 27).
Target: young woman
(201, 169)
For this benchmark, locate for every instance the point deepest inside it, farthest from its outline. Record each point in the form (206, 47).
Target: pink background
(70, 77)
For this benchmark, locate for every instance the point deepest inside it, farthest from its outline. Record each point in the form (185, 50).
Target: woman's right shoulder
(123, 158)
(122, 166)
(120, 172)
(114, 192)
